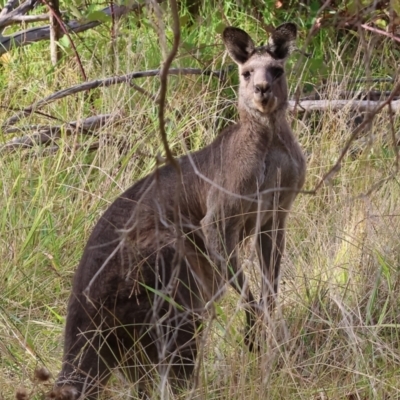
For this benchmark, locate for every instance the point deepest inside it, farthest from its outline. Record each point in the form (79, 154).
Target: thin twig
(164, 82)
(139, 89)
(57, 17)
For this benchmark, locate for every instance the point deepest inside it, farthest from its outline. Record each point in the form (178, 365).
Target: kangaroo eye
(276, 72)
(246, 75)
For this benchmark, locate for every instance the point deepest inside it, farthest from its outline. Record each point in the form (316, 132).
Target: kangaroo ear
(238, 43)
(281, 42)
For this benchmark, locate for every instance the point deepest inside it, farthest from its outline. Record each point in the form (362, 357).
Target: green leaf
(98, 15)
(317, 67)
(220, 27)
(168, 299)
(188, 46)
(64, 42)
(75, 11)
(58, 317)
(314, 6)
(381, 23)
(183, 20)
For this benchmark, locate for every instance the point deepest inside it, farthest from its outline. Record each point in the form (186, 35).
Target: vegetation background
(336, 332)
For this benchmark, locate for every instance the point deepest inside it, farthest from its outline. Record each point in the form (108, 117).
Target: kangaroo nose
(261, 88)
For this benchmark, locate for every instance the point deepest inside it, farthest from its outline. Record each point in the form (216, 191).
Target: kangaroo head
(263, 87)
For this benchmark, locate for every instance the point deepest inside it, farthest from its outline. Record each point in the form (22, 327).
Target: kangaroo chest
(281, 176)
(283, 169)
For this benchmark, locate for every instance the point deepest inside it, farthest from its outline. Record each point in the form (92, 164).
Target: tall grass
(335, 332)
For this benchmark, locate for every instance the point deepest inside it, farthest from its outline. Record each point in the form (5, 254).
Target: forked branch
(368, 119)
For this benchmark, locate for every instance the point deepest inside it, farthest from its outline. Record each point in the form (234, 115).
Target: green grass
(335, 333)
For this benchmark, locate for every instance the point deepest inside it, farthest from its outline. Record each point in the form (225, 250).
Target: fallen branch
(335, 105)
(48, 134)
(105, 83)
(370, 95)
(26, 19)
(7, 17)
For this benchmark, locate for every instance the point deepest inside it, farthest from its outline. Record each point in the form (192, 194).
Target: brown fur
(168, 245)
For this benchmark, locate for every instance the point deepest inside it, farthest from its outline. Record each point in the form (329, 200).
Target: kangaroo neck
(265, 125)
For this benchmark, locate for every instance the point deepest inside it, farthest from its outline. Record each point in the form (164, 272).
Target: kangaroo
(167, 247)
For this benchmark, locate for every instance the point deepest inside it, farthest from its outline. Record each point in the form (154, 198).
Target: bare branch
(20, 10)
(29, 18)
(380, 32)
(105, 83)
(368, 95)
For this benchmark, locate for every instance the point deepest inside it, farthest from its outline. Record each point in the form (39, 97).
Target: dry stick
(26, 19)
(139, 89)
(54, 149)
(356, 131)
(55, 30)
(113, 36)
(43, 114)
(380, 32)
(104, 83)
(47, 134)
(361, 94)
(334, 105)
